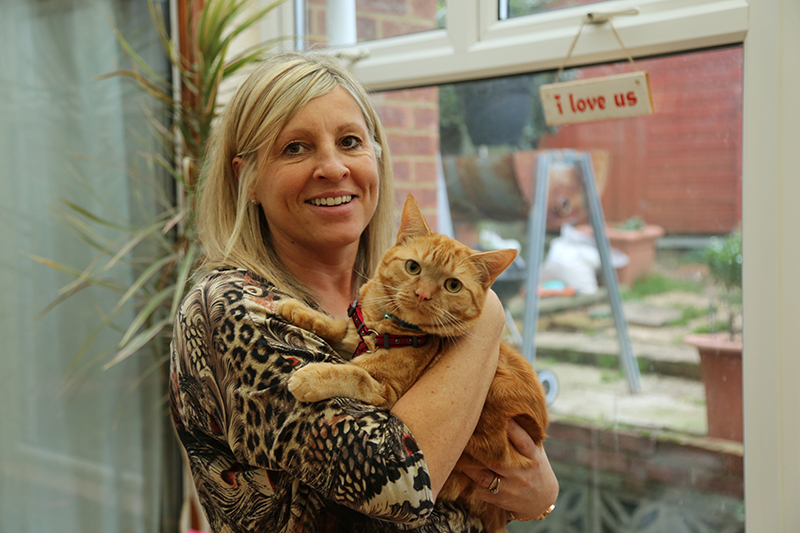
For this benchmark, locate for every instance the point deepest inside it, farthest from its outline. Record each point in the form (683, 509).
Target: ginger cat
(427, 288)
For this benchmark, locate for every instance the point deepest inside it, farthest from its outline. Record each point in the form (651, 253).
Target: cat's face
(432, 283)
(435, 282)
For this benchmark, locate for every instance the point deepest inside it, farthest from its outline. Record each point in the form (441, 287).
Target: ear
(495, 262)
(412, 223)
(237, 163)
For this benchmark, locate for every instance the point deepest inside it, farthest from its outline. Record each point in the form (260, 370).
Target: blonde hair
(233, 231)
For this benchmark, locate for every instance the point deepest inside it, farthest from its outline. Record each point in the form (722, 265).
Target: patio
(636, 462)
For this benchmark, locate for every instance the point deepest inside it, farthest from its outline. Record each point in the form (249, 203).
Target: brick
(424, 171)
(560, 451)
(668, 475)
(394, 116)
(569, 432)
(602, 460)
(734, 465)
(393, 28)
(366, 28)
(424, 9)
(426, 119)
(413, 144)
(401, 170)
(688, 456)
(628, 442)
(422, 94)
(719, 483)
(396, 7)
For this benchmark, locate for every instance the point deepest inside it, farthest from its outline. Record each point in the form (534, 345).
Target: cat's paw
(308, 383)
(290, 309)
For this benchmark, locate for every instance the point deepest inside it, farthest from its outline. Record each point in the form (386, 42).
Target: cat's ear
(495, 261)
(412, 223)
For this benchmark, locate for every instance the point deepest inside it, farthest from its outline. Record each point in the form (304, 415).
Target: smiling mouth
(337, 200)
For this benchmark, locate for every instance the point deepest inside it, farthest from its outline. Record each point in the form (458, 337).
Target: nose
(330, 165)
(423, 293)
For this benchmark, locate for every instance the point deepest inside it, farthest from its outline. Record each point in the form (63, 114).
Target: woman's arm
(443, 406)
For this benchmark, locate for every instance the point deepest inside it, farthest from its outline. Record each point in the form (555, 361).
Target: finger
(483, 477)
(522, 441)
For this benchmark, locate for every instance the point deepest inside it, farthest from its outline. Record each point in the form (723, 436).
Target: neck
(329, 276)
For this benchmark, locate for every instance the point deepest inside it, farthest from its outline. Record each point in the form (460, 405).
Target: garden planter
(721, 363)
(638, 244)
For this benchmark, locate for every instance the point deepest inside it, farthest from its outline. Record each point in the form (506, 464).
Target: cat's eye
(412, 267)
(452, 285)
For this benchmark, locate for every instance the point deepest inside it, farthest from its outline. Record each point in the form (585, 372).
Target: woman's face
(319, 185)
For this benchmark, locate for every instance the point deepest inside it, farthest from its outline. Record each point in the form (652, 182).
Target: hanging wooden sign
(618, 96)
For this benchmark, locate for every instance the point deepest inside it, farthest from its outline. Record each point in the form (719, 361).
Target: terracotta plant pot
(639, 245)
(721, 363)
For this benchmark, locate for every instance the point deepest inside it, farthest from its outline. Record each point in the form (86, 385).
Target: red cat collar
(389, 341)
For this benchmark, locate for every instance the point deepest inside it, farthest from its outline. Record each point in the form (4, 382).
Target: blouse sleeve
(352, 454)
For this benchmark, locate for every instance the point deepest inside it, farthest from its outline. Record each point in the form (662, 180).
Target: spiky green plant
(162, 249)
(724, 260)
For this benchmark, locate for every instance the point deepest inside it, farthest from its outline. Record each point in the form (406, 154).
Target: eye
(412, 267)
(294, 148)
(452, 285)
(351, 141)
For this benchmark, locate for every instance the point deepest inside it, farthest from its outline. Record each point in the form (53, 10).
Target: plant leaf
(138, 342)
(183, 274)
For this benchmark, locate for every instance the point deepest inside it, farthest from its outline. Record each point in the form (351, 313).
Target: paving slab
(601, 396)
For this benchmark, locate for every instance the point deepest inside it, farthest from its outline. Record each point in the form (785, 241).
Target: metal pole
(537, 220)
(597, 218)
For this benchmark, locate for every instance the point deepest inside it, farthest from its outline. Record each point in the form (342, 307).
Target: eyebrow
(344, 127)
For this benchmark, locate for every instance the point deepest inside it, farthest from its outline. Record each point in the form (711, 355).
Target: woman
(297, 201)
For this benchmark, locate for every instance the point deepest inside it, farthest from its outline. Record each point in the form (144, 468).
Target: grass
(658, 284)
(689, 313)
(720, 326)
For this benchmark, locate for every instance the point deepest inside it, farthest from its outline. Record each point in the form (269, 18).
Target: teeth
(339, 200)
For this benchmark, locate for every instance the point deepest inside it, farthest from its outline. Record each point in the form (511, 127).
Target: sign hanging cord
(590, 17)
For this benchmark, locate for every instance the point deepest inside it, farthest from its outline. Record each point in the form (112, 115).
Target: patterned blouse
(264, 462)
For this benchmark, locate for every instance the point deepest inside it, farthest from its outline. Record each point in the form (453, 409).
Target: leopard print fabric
(263, 462)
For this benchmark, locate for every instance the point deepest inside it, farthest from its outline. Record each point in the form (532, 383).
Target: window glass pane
(82, 449)
(367, 20)
(519, 8)
(667, 458)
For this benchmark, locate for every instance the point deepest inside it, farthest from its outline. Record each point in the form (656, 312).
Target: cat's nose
(422, 294)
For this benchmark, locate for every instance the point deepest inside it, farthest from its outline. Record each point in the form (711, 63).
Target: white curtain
(89, 458)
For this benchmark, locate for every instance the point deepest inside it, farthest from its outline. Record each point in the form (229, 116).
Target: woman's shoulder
(225, 289)
(224, 281)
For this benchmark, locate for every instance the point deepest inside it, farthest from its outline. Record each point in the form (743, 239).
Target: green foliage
(162, 249)
(724, 260)
(658, 284)
(632, 224)
(688, 314)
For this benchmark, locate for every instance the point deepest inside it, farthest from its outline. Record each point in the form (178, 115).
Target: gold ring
(494, 488)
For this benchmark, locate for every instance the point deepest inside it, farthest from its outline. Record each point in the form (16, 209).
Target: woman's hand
(527, 493)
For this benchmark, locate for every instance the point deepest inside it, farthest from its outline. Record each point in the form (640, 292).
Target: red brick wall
(704, 464)
(681, 167)
(411, 120)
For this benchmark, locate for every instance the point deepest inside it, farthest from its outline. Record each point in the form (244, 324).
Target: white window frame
(477, 45)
